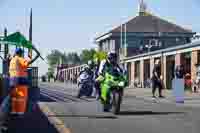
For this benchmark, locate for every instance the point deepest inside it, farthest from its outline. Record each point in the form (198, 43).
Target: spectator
(156, 79)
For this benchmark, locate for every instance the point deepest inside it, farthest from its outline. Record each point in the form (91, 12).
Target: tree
(100, 55)
(50, 73)
(54, 57)
(73, 58)
(87, 55)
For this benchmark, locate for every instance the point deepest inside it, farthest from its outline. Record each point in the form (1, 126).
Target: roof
(150, 23)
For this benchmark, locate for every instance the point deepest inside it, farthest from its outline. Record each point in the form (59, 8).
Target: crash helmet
(112, 57)
(90, 64)
(86, 68)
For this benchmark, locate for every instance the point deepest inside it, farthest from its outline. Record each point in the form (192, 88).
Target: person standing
(156, 79)
(19, 81)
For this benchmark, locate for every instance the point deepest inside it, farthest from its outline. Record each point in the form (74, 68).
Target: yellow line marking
(59, 125)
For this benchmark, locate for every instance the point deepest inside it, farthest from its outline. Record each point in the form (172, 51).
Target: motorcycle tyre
(116, 102)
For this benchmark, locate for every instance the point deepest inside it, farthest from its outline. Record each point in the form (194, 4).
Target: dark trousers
(156, 84)
(98, 89)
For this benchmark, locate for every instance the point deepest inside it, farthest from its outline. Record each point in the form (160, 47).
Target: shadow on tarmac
(111, 116)
(86, 116)
(34, 122)
(147, 113)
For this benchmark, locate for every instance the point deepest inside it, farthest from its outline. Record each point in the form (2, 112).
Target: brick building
(145, 38)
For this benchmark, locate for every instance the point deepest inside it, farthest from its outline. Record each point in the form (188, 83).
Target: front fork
(121, 92)
(111, 96)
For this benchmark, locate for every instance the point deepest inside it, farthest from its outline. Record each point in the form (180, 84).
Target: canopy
(18, 39)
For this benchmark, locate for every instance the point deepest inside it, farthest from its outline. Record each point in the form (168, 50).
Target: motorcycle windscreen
(84, 76)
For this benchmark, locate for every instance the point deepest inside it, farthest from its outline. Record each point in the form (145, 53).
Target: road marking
(58, 124)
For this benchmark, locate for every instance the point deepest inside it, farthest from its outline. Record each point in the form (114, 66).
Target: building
(142, 34)
(145, 38)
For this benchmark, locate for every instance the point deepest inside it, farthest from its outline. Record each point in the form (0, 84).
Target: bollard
(178, 90)
(179, 84)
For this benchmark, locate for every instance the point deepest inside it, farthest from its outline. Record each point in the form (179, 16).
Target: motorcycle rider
(88, 70)
(105, 66)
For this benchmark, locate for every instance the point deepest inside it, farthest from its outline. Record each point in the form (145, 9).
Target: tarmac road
(137, 115)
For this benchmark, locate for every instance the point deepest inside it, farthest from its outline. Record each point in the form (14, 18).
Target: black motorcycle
(85, 85)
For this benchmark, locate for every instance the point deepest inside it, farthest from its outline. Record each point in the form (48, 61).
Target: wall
(136, 45)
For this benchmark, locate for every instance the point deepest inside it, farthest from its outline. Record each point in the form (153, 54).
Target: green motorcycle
(112, 86)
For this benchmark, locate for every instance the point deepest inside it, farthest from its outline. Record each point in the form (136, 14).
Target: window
(112, 45)
(160, 44)
(177, 39)
(104, 46)
(188, 40)
(154, 42)
(108, 45)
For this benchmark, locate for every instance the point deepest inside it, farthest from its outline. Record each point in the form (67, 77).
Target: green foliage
(50, 72)
(72, 58)
(57, 57)
(87, 55)
(54, 57)
(100, 55)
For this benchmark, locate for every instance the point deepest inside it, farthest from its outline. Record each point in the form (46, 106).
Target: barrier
(70, 73)
(33, 90)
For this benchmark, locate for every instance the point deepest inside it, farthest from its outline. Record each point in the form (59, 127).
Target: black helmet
(112, 57)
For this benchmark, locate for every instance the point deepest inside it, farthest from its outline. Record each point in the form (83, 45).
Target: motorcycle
(85, 85)
(115, 81)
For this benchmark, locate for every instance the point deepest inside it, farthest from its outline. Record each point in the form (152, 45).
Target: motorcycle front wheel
(116, 102)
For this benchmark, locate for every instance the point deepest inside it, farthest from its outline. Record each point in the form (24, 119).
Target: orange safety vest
(18, 67)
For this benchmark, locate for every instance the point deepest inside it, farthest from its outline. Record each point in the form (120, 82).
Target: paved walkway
(191, 99)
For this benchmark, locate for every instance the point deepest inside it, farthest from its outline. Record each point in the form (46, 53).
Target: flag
(19, 40)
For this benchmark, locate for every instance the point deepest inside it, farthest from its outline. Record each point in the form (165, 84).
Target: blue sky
(71, 25)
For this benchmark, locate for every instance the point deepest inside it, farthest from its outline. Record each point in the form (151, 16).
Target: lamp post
(5, 66)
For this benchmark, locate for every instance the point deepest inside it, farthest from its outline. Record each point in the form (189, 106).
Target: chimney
(142, 8)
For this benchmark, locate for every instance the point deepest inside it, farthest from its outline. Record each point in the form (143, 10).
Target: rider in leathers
(105, 66)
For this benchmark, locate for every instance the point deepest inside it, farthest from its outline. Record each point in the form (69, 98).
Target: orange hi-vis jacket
(18, 67)
(18, 70)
